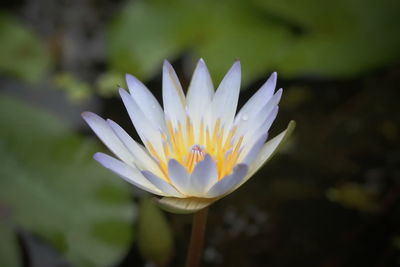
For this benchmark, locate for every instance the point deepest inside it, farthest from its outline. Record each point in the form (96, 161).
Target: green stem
(197, 238)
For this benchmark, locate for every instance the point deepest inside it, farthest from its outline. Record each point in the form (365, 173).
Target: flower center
(195, 154)
(189, 145)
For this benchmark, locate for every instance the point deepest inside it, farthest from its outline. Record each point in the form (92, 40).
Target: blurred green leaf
(75, 89)
(22, 54)
(148, 32)
(354, 196)
(337, 38)
(40, 253)
(51, 186)
(155, 238)
(308, 37)
(108, 83)
(9, 255)
(144, 34)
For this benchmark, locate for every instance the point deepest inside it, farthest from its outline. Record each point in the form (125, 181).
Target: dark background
(330, 198)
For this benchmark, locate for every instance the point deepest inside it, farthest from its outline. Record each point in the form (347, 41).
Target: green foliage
(155, 238)
(50, 185)
(340, 38)
(108, 83)
(75, 89)
(308, 37)
(354, 196)
(9, 256)
(22, 54)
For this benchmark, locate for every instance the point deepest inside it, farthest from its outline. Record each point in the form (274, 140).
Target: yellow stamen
(180, 144)
(195, 155)
(189, 131)
(201, 138)
(161, 163)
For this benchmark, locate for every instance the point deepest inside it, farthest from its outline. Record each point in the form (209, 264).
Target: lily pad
(22, 54)
(155, 238)
(51, 187)
(296, 38)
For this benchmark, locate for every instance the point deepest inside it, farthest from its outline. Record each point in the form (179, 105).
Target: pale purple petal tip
(167, 64)
(123, 92)
(204, 175)
(87, 115)
(229, 182)
(178, 175)
(161, 184)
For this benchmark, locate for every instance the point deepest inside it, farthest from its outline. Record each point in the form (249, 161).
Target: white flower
(195, 150)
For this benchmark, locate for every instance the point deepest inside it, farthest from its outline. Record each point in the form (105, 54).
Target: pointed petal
(173, 97)
(162, 184)
(108, 137)
(179, 176)
(249, 140)
(142, 158)
(264, 128)
(183, 205)
(269, 149)
(256, 131)
(225, 100)
(146, 102)
(143, 127)
(259, 99)
(249, 123)
(128, 173)
(204, 175)
(228, 183)
(200, 94)
(255, 150)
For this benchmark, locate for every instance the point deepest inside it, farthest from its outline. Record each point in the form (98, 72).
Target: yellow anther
(195, 155)
(190, 147)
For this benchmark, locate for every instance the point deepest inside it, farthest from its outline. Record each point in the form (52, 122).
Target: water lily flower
(195, 149)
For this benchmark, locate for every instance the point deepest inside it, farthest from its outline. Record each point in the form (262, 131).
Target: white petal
(128, 173)
(228, 183)
(200, 94)
(255, 150)
(146, 102)
(184, 205)
(173, 98)
(162, 184)
(142, 159)
(204, 175)
(249, 123)
(254, 134)
(225, 100)
(108, 137)
(179, 176)
(268, 150)
(143, 127)
(259, 99)
(266, 125)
